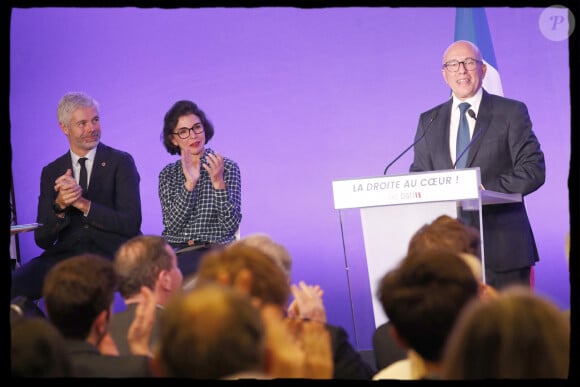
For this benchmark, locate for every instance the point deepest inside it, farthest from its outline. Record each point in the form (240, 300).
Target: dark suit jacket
(119, 327)
(88, 362)
(385, 348)
(348, 362)
(510, 160)
(115, 213)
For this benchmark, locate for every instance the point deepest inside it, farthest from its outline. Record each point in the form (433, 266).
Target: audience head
(448, 233)
(273, 249)
(518, 335)
(210, 332)
(423, 296)
(77, 291)
(37, 349)
(451, 234)
(248, 269)
(180, 109)
(147, 260)
(294, 347)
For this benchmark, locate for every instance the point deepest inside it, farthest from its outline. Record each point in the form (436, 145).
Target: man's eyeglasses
(184, 132)
(469, 64)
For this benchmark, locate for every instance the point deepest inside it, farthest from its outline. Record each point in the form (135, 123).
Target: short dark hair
(423, 296)
(38, 349)
(76, 290)
(180, 109)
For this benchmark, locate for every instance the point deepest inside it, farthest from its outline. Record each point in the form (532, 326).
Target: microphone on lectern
(433, 117)
(472, 114)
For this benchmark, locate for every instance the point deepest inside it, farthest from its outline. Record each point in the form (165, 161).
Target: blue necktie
(462, 136)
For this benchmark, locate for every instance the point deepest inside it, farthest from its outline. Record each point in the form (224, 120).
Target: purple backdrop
(299, 98)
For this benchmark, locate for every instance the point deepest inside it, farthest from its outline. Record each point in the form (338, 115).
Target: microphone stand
(433, 116)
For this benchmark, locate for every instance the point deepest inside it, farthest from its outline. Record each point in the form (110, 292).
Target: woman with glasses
(200, 193)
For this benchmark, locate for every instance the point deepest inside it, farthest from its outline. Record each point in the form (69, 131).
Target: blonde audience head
(211, 332)
(518, 335)
(296, 348)
(248, 269)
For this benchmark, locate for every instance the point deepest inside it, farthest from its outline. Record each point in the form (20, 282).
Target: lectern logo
(411, 195)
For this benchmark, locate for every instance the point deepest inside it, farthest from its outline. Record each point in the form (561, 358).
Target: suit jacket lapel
(64, 162)
(484, 116)
(99, 169)
(441, 138)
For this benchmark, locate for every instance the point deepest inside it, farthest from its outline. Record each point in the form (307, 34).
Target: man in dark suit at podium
(504, 147)
(85, 206)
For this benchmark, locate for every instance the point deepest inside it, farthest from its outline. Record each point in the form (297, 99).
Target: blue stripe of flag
(471, 24)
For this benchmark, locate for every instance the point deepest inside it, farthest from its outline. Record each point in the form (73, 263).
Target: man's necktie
(83, 176)
(462, 136)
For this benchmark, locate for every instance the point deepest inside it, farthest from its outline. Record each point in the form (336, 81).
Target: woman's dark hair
(180, 109)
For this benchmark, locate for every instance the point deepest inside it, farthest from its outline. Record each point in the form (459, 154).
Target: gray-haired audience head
(270, 247)
(139, 262)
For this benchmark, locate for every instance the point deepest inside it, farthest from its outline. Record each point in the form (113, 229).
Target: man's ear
(243, 282)
(99, 328)
(101, 323)
(64, 128)
(164, 280)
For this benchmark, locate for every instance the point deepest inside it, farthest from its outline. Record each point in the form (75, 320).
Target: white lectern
(393, 208)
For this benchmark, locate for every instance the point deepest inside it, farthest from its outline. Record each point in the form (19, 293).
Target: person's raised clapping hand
(68, 189)
(284, 355)
(140, 330)
(214, 165)
(316, 344)
(296, 348)
(191, 169)
(307, 303)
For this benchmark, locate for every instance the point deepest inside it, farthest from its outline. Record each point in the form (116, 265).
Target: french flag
(471, 25)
